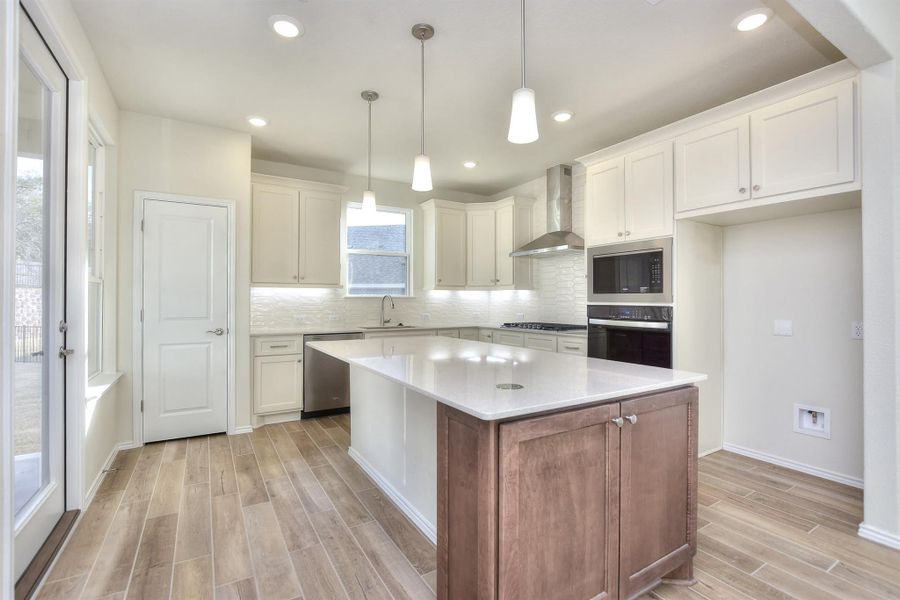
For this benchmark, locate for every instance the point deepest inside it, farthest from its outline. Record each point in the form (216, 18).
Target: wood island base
(598, 502)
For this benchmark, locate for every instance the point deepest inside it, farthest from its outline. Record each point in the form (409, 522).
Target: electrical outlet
(783, 328)
(299, 318)
(332, 317)
(856, 330)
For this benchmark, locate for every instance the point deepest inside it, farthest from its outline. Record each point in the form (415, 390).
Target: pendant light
(368, 199)
(523, 117)
(421, 181)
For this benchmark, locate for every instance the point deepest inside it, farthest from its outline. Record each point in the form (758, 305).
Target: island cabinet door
(658, 489)
(558, 506)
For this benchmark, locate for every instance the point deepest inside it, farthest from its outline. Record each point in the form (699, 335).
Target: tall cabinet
(296, 233)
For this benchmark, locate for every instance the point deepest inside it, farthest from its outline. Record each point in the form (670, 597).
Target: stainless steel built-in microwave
(631, 272)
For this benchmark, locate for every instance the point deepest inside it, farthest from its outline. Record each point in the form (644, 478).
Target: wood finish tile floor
(284, 513)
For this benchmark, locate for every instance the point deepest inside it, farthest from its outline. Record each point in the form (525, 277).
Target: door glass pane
(32, 229)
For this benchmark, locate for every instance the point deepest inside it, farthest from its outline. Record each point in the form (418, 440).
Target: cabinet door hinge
(142, 315)
(142, 406)
(142, 224)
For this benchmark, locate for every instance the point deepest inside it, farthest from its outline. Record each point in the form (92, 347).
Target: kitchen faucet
(386, 297)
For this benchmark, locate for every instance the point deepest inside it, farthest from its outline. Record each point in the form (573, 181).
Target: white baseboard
(796, 466)
(240, 430)
(708, 452)
(421, 523)
(879, 536)
(95, 485)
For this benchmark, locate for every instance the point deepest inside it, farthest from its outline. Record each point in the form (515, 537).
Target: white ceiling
(623, 66)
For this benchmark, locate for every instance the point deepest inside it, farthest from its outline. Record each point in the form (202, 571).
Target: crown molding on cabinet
(300, 184)
(804, 83)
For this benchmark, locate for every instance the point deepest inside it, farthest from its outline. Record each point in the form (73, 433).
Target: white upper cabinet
(482, 252)
(649, 210)
(805, 142)
(604, 217)
(445, 245)
(276, 227)
(296, 233)
(320, 250)
(712, 165)
(468, 245)
(505, 242)
(630, 198)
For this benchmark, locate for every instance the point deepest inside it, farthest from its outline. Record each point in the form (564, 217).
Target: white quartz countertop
(465, 374)
(313, 329)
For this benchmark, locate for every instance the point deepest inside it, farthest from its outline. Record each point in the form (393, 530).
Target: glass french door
(39, 373)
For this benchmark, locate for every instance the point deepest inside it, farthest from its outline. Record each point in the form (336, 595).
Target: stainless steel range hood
(560, 238)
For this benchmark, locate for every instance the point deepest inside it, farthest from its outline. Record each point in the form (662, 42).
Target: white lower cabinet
(469, 334)
(451, 333)
(277, 383)
(486, 335)
(536, 341)
(509, 338)
(571, 345)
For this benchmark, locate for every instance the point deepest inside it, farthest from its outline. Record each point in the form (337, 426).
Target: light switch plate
(783, 327)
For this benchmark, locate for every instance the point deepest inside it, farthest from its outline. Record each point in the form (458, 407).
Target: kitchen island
(538, 475)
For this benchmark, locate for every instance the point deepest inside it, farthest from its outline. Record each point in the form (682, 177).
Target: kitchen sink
(381, 327)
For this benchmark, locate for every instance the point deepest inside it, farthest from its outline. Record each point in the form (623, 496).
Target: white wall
(805, 269)
(559, 293)
(163, 155)
(866, 32)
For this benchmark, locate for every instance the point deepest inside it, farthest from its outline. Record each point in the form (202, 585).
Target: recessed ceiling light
(470, 164)
(752, 19)
(257, 121)
(561, 116)
(286, 26)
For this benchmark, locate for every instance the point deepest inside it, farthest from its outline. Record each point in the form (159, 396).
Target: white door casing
(184, 363)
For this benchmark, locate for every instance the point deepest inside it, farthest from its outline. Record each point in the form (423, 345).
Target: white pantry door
(185, 327)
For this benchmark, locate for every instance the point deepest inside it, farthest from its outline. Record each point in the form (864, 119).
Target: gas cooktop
(545, 326)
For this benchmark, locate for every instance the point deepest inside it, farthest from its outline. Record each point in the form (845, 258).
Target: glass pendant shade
(422, 174)
(368, 201)
(523, 117)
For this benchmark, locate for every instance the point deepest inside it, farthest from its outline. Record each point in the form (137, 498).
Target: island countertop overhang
(466, 374)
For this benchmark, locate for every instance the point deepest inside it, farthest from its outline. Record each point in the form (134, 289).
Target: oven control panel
(630, 313)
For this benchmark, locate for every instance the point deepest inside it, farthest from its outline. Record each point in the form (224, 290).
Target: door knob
(631, 419)
(617, 421)
(217, 331)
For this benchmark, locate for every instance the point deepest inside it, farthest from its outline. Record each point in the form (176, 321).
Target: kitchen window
(95, 177)
(378, 251)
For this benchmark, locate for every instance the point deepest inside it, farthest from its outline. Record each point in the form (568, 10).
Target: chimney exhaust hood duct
(560, 238)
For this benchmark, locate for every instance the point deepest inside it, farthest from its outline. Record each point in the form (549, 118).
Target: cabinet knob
(631, 419)
(295, 277)
(742, 190)
(627, 233)
(439, 280)
(756, 188)
(303, 277)
(621, 234)
(617, 421)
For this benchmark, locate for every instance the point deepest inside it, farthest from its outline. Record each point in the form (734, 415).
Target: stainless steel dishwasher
(326, 380)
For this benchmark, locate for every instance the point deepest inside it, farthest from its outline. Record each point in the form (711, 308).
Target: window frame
(96, 185)
(347, 251)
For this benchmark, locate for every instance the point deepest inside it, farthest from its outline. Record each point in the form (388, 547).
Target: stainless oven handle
(630, 324)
